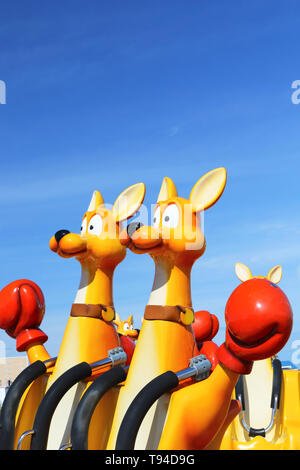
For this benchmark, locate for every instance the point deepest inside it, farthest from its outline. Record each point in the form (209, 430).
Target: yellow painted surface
(27, 410)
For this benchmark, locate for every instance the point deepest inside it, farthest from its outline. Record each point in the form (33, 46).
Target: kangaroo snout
(133, 227)
(60, 234)
(67, 244)
(128, 232)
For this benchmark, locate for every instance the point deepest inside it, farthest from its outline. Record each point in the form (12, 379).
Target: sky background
(102, 95)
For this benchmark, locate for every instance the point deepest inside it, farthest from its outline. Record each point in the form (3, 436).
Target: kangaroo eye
(156, 217)
(171, 216)
(83, 226)
(125, 326)
(96, 225)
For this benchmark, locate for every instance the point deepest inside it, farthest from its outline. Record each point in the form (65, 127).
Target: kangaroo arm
(37, 352)
(202, 407)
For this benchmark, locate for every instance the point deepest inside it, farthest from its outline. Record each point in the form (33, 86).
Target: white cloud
(274, 226)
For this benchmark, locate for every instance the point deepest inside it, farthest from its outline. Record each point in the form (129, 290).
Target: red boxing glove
(128, 345)
(209, 349)
(259, 322)
(22, 309)
(205, 326)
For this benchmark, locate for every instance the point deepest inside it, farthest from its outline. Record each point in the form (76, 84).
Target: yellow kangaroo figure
(166, 340)
(285, 432)
(89, 332)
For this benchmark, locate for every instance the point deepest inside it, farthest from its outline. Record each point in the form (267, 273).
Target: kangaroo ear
(243, 272)
(167, 190)
(97, 200)
(208, 189)
(130, 320)
(129, 202)
(275, 274)
(117, 320)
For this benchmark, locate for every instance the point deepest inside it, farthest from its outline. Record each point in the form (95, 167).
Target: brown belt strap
(104, 312)
(175, 313)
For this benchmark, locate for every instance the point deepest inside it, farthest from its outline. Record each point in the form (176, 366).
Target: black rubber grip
(50, 401)
(276, 388)
(139, 407)
(12, 401)
(88, 403)
(239, 391)
(257, 432)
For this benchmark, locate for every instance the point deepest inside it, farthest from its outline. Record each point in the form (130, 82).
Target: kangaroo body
(166, 340)
(285, 433)
(90, 332)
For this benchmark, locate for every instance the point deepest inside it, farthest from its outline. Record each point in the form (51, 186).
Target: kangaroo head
(125, 327)
(176, 229)
(98, 242)
(244, 274)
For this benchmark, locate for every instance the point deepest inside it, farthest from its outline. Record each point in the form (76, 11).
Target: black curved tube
(12, 400)
(50, 401)
(239, 391)
(257, 432)
(276, 387)
(139, 407)
(88, 403)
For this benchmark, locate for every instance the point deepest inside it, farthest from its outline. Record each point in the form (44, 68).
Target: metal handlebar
(275, 400)
(199, 368)
(116, 356)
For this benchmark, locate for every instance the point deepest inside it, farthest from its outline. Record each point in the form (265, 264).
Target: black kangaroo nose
(133, 227)
(61, 233)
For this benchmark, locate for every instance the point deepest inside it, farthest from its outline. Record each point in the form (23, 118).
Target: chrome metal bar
(52, 359)
(66, 446)
(115, 357)
(269, 427)
(243, 422)
(186, 373)
(273, 414)
(103, 362)
(25, 434)
(199, 367)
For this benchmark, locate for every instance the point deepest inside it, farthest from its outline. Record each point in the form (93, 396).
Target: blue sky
(101, 95)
